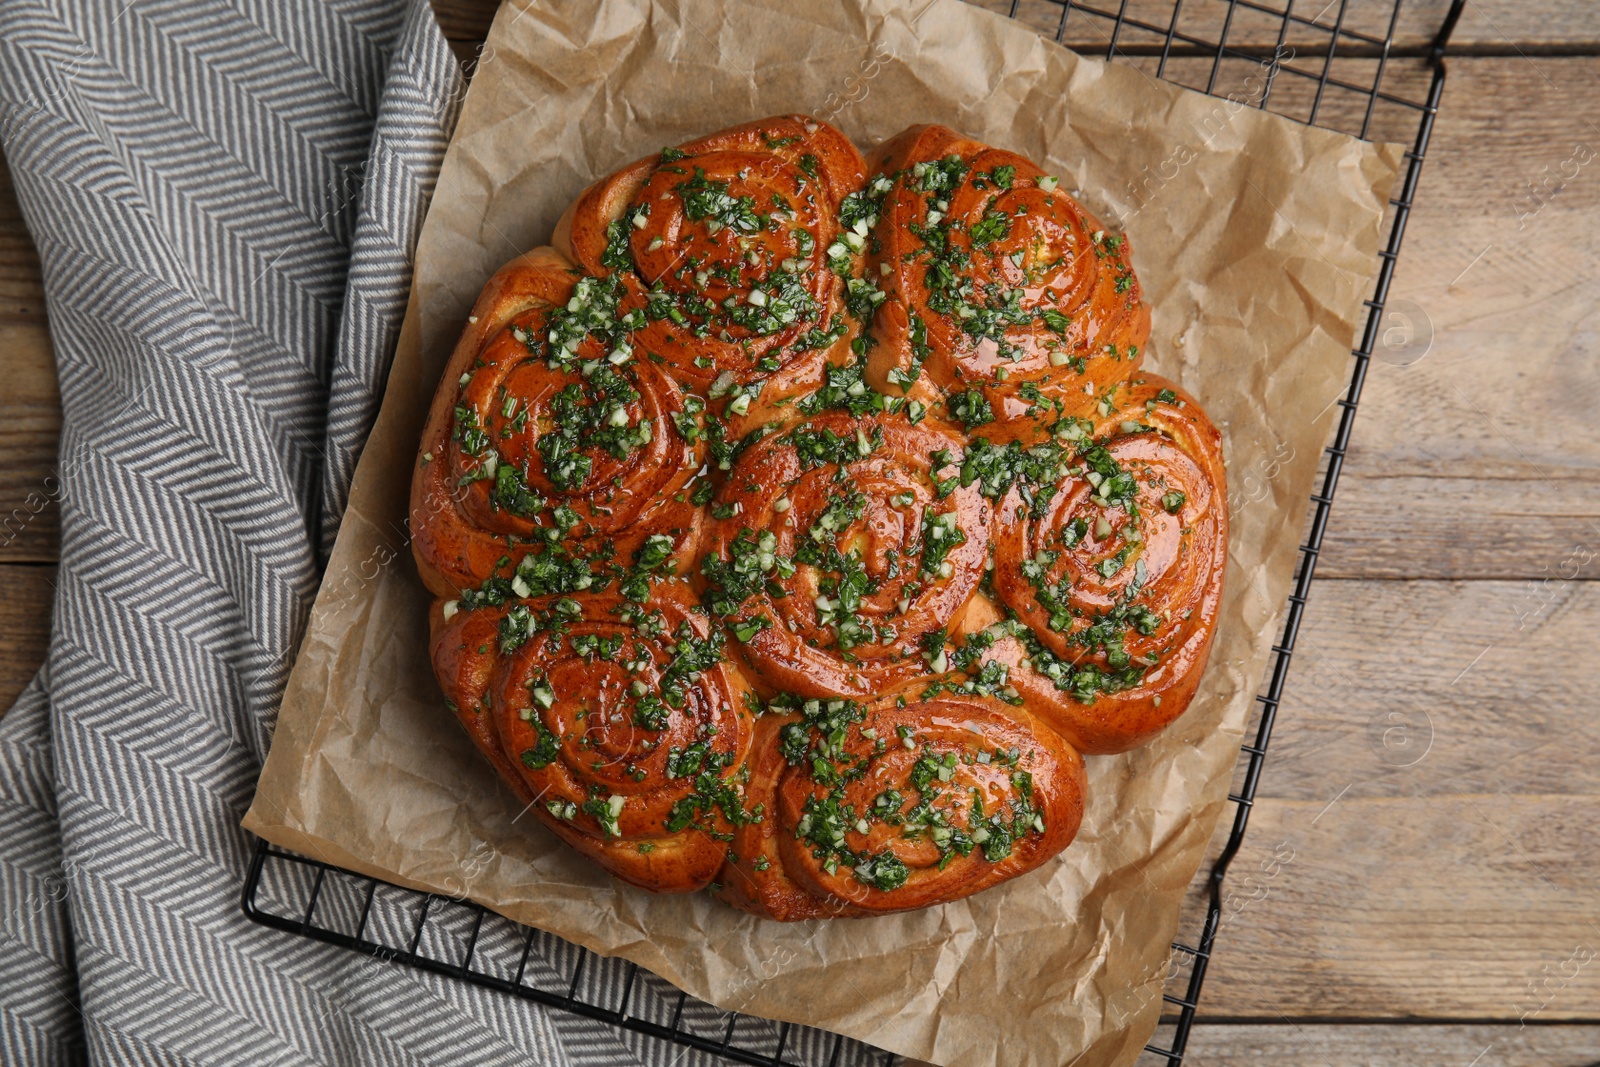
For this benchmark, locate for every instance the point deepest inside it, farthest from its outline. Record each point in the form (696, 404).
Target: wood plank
(26, 595)
(1474, 454)
(1393, 1045)
(1421, 689)
(1552, 24)
(1445, 907)
(1347, 1044)
(1480, 459)
(21, 284)
(30, 404)
(1421, 843)
(30, 427)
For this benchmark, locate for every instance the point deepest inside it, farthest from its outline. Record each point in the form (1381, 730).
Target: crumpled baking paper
(1255, 239)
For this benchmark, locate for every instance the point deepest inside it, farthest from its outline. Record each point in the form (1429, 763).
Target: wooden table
(1433, 901)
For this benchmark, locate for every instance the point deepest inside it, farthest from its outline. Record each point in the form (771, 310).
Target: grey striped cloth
(225, 197)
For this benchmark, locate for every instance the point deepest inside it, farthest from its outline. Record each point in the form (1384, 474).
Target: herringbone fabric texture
(225, 197)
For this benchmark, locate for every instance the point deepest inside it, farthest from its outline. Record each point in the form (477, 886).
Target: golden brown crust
(585, 708)
(693, 223)
(859, 504)
(1121, 590)
(974, 251)
(937, 797)
(487, 492)
(793, 531)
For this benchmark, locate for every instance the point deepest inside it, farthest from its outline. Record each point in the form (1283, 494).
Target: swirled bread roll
(910, 800)
(721, 251)
(1112, 561)
(528, 454)
(839, 556)
(617, 723)
(1004, 297)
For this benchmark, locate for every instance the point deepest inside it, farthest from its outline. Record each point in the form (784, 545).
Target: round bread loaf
(797, 523)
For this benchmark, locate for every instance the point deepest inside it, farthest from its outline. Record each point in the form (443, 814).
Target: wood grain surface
(1419, 881)
(1480, 458)
(25, 596)
(1456, 906)
(1276, 1044)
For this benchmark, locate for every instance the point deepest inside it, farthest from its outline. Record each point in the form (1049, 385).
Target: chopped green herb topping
(971, 408)
(545, 752)
(819, 448)
(705, 199)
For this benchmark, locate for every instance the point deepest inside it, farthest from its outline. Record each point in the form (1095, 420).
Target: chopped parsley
(823, 447)
(705, 199)
(994, 226)
(844, 389)
(711, 794)
(752, 563)
(545, 752)
(940, 534)
(971, 408)
(511, 492)
(590, 415)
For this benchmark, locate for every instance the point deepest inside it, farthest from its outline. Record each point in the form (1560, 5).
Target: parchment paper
(1255, 239)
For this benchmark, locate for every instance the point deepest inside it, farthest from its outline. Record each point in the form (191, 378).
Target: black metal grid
(1340, 67)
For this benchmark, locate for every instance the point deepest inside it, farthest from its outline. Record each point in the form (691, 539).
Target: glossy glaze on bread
(798, 522)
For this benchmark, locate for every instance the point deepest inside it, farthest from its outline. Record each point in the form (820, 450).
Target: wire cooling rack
(1364, 68)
